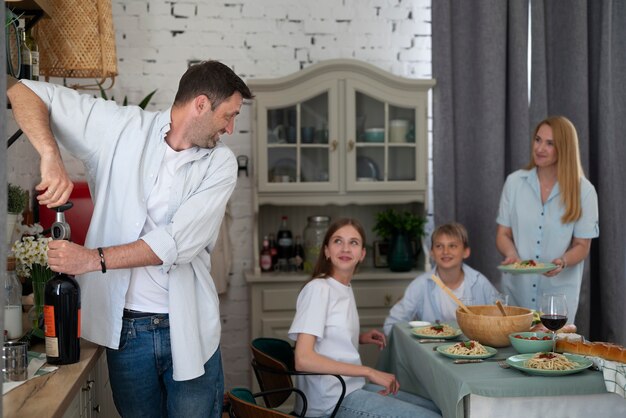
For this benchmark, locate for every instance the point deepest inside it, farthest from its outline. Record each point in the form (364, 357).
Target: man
(160, 182)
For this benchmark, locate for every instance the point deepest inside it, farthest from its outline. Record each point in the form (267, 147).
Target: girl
(326, 331)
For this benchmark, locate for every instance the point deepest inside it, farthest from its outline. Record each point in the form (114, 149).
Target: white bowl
(417, 324)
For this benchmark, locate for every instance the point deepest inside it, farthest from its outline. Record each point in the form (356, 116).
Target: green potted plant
(400, 228)
(17, 199)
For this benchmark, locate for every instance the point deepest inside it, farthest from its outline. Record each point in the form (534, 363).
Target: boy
(426, 301)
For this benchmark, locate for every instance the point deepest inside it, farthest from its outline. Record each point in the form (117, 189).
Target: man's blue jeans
(141, 375)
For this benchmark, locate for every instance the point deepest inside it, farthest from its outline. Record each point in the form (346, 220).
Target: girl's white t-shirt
(326, 309)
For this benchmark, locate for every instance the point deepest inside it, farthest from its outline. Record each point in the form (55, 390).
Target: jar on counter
(313, 239)
(12, 302)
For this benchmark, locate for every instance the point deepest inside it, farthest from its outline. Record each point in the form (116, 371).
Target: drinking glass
(553, 314)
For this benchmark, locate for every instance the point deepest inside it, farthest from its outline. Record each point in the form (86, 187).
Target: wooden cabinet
(340, 127)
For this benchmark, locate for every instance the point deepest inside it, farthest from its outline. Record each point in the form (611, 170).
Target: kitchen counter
(50, 395)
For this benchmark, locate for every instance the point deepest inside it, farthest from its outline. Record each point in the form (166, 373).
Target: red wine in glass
(553, 322)
(553, 314)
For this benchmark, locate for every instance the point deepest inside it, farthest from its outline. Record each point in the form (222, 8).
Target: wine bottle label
(50, 329)
(52, 347)
(266, 262)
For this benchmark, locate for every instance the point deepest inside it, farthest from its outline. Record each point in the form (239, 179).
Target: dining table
(485, 389)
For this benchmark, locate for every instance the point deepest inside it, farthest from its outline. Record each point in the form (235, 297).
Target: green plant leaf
(146, 100)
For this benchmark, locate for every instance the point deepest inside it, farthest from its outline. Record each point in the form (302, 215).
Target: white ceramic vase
(11, 221)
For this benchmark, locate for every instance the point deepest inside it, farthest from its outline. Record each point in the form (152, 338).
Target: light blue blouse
(122, 148)
(539, 235)
(421, 298)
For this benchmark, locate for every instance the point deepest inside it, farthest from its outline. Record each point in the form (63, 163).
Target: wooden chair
(274, 364)
(243, 404)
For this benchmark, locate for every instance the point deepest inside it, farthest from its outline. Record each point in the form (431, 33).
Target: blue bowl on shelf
(375, 135)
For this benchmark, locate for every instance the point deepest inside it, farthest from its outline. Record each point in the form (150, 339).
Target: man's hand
(55, 182)
(70, 258)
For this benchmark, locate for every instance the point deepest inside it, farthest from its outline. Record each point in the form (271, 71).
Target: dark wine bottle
(62, 319)
(61, 309)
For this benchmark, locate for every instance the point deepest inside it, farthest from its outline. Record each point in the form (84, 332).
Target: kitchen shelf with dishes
(341, 138)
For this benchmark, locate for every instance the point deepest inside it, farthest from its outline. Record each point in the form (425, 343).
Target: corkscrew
(60, 229)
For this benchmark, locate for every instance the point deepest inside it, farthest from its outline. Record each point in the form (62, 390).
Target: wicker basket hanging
(79, 42)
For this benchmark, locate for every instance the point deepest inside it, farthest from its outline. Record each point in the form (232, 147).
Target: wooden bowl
(489, 327)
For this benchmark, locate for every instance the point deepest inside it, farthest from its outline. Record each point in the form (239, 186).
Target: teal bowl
(531, 342)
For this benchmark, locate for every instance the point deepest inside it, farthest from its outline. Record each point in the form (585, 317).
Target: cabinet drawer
(279, 299)
(378, 296)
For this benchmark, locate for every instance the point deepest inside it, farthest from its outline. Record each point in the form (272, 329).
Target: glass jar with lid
(313, 239)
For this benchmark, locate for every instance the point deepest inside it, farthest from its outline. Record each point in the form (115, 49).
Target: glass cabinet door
(299, 152)
(384, 149)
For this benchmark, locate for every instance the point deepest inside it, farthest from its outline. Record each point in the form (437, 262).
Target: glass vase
(39, 276)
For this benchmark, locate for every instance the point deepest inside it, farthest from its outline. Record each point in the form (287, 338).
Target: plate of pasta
(466, 349)
(528, 267)
(549, 364)
(443, 331)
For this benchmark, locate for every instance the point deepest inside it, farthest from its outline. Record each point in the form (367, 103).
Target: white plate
(416, 324)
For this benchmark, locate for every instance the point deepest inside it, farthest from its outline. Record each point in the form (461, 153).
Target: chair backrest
(243, 405)
(273, 359)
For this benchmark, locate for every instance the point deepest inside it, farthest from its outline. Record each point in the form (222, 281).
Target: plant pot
(401, 257)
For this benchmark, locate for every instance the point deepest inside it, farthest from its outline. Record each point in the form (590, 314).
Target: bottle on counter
(285, 245)
(62, 306)
(313, 239)
(12, 302)
(26, 66)
(298, 254)
(265, 258)
(273, 250)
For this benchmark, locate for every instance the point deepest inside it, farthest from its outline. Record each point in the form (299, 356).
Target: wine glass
(553, 314)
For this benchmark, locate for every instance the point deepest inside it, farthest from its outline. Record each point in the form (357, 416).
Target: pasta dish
(550, 361)
(527, 264)
(467, 348)
(439, 330)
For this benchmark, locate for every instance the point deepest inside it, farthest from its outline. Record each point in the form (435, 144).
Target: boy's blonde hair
(454, 229)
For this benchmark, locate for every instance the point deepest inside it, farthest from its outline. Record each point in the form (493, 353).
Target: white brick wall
(258, 39)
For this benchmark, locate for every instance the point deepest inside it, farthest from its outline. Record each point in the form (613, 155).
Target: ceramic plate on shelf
(283, 168)
(543, 268)
(366, 168)
(519, 362)
(441, 349)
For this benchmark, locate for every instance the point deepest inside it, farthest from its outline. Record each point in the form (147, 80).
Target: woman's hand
(506, 245)
(386, 380)
(560, 266)
(373, 336)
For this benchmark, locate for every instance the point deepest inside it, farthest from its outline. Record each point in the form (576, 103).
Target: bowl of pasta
(531, 342)
(487, 325)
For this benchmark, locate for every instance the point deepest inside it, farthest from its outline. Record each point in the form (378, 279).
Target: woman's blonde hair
(569, 168)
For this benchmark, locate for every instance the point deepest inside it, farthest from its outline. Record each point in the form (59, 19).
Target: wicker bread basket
(79, 42)
(489, 327)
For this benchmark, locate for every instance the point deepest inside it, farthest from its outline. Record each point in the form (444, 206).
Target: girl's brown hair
(569, 168)
(323, 267)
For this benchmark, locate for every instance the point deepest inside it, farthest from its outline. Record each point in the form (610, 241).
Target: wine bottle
(62, 306)
(298, 254)
(273, 250)
(26, 67)
(62, 319)
(285, 245)
(266, 256)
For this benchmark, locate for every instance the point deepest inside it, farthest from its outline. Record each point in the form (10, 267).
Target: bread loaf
(606, 351)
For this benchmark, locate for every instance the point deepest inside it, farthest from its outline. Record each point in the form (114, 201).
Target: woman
(548, 212)
(326, 330)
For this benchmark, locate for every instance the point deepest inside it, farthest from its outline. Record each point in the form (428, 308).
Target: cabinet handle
(388, 300)
(88, 386)
(350, 145)
(333, 145)
(97, 408)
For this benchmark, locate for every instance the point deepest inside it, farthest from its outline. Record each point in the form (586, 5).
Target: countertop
(48, 396)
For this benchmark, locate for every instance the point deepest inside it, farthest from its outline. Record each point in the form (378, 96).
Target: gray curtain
(480, 114)
(578, 70)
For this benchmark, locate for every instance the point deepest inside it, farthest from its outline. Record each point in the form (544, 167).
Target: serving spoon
(445, 288)
(499, 305)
